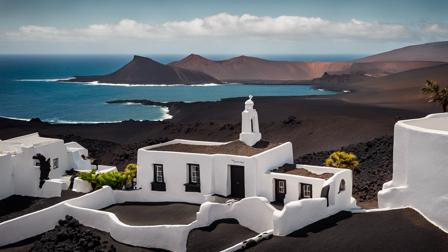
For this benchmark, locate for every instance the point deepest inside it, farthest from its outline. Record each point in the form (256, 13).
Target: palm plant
(436, 93)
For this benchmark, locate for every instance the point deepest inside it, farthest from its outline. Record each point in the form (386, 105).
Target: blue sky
(218, 27)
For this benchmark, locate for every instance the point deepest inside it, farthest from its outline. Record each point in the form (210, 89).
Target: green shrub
(342, 159)
(115, 180)
(131, 171)
(88, 176)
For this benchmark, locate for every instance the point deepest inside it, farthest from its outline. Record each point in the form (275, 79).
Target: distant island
(143, 70)
(196, 69)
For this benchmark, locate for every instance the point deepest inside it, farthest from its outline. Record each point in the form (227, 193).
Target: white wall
(267, 161)
(6, 179)
(420, 171)
(214, 169)
(254, 213)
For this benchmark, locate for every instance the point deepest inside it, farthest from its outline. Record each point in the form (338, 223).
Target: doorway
(280, 190)
(237, 181)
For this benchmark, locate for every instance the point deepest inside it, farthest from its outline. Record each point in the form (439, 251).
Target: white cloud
(222, 24)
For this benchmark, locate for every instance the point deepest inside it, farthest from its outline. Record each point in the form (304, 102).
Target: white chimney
(250, 131)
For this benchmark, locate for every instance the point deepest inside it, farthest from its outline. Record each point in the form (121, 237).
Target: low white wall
(82, 186)
(298, 214)
(254, 213)
(32, 224)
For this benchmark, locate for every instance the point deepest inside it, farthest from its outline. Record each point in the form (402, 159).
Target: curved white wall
(420, 169)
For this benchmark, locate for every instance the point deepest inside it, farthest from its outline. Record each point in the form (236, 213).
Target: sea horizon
(30, 88)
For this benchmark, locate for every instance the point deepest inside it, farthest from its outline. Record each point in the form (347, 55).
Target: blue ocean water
(28, 89)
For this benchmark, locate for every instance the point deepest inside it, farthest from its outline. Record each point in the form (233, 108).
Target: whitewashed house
(241, 168)
(20, 170)
(420, 168)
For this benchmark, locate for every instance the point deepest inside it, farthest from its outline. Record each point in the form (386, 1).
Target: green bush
(116, 180)
(342, 159)
(88, 176)
(131, 171)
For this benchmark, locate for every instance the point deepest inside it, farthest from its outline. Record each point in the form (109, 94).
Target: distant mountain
(437, 51)
(251, 69)
(143, 70)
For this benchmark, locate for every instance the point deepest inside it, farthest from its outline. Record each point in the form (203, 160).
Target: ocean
(29, 88)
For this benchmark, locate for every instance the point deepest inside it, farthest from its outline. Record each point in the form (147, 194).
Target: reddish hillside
(437, 51)
(251, 69)
(244, 68)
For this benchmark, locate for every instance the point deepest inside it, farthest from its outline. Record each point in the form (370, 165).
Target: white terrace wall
(6, 179)
(254, 213)
(420, 170)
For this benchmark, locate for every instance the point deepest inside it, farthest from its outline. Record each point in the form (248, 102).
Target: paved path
(395, 230)
(220, 235)
(141, 214)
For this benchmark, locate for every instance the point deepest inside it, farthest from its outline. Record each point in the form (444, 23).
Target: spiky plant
(436, 93)
(342, 159)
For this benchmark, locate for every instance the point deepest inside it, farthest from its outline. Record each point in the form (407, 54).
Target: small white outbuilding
(20, 170)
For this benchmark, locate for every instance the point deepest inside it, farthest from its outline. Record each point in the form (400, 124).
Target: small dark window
(158, 183)
(55, 163)
(342, 186)
(306, 191)
(158, 173)
(252, 125)
(194, 179)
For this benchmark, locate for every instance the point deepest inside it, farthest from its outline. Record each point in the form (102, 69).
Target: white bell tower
(250, 131)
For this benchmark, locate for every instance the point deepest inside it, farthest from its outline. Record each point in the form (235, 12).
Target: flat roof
(13, 145)
(232, 148)
(293, 170)
(434, 123)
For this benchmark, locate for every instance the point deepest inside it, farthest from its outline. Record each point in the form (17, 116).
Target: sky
(251, 27)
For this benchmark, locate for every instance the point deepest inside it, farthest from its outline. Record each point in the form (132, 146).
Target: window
(158, 173)
(158, 184)
(194, 179)
(305, 191)
(194, 173)
(36, 162)
(281, 186)
(342, 186)
(55, 163)
(252, 125)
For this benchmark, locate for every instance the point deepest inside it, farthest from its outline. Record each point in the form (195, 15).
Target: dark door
(280, 190)
(324, 193)
(237, 181)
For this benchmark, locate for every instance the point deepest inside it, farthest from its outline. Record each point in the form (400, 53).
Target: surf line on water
(97, 83)
(165, 116)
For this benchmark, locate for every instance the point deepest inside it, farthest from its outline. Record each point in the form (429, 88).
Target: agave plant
(436, 94)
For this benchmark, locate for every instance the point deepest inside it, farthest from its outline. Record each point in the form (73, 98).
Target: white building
(420, 168)
(242, 168)
(20, 172)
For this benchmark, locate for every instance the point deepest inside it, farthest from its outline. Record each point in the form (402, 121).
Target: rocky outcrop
(143, 70)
